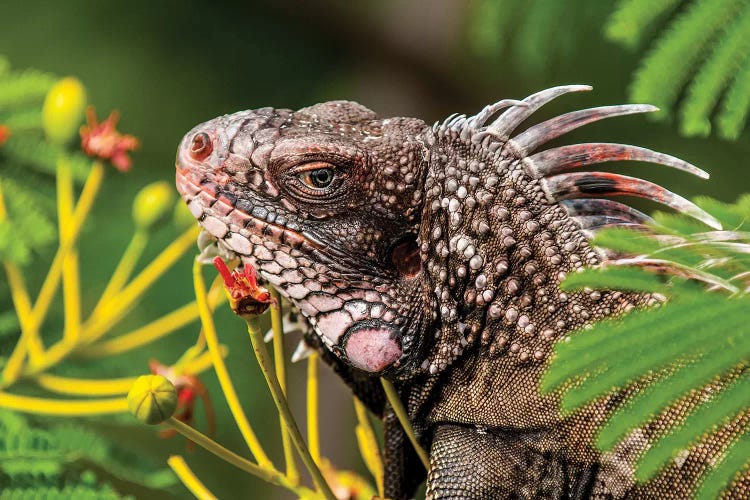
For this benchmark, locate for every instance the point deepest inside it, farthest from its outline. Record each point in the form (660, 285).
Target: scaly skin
(432, 256)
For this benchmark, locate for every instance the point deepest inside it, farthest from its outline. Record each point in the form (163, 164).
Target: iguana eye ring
(315, 180)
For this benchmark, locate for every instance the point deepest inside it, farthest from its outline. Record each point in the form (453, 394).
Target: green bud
(182, 217)
(152, 203)
(152, 399)
(63, 110)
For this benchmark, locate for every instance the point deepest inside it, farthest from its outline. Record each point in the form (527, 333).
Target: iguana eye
(319, 178)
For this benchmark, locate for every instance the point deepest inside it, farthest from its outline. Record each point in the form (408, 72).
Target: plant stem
(70, 275)
(278, 362)
(120, 304)
(189, 479)
(269, 475)
(85, 201)
(266, 366)
(124, 268)
(398, 408)
(63, 407)
(227, 387)
(313, 428)
(368, 445)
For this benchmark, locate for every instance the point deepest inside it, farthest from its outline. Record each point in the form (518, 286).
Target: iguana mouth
(225, 221)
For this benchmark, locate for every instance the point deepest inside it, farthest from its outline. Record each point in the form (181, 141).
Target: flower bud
(151, 205)
(152, 399)
(63, 110)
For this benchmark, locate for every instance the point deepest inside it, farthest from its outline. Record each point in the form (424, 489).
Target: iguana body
(433, 256)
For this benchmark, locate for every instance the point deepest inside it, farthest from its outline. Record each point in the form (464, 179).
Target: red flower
(4, 133)
(102, 140)
(245, 296)
(189, 387)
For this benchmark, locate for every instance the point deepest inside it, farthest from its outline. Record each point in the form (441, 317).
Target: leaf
(704, 91)
(678, 338)
(22, 87)
(666, 69)
(736, 106)
(629, 22)
(614, 278)
(726, 405)
(717, 358)
(737, 457)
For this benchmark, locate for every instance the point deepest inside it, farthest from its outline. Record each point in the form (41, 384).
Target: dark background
(169, 65)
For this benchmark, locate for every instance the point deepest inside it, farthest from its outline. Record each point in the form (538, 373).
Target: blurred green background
(169, 65)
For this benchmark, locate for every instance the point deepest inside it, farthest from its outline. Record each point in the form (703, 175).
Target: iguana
(432, 256)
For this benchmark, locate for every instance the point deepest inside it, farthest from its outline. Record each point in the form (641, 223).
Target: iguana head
(403, 244)
(325, 202)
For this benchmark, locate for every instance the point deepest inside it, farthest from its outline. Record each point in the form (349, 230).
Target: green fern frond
(23, 120)
(737, 457)
(36, 153)
(77, 492)
(678, 338)
(632, 18)
(28, 227)
(615, 278)
(732, 47)
(711, 416)
(666, 69)
(589, 350)
(736, 106)
(40, 452)
(693, 341)
(18, 88)
(716, 358)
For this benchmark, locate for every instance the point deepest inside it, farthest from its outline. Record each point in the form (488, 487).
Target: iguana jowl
(433, 256)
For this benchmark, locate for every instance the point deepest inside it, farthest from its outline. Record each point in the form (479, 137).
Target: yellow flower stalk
(189, 479)
(368, 445)
(278, 361)
(63, 407)
(403, 418)
(313, 427)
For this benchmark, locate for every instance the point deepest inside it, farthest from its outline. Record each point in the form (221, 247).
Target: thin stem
(83, 387)
(368, 445)
(85, 201)
(124, 268)
(189, 479)
(63, 407)
(112, 387)
(29, 342)
(70, 276)
(266, 366)
(400, 411)
(222, 373)
(313, 428)
(278, 362)
(268, 474)
(120, 304)
(154, 330)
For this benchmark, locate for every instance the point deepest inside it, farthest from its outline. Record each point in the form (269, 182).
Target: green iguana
(432, 255)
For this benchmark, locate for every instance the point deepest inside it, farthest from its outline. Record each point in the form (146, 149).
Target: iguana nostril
(201, 146)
